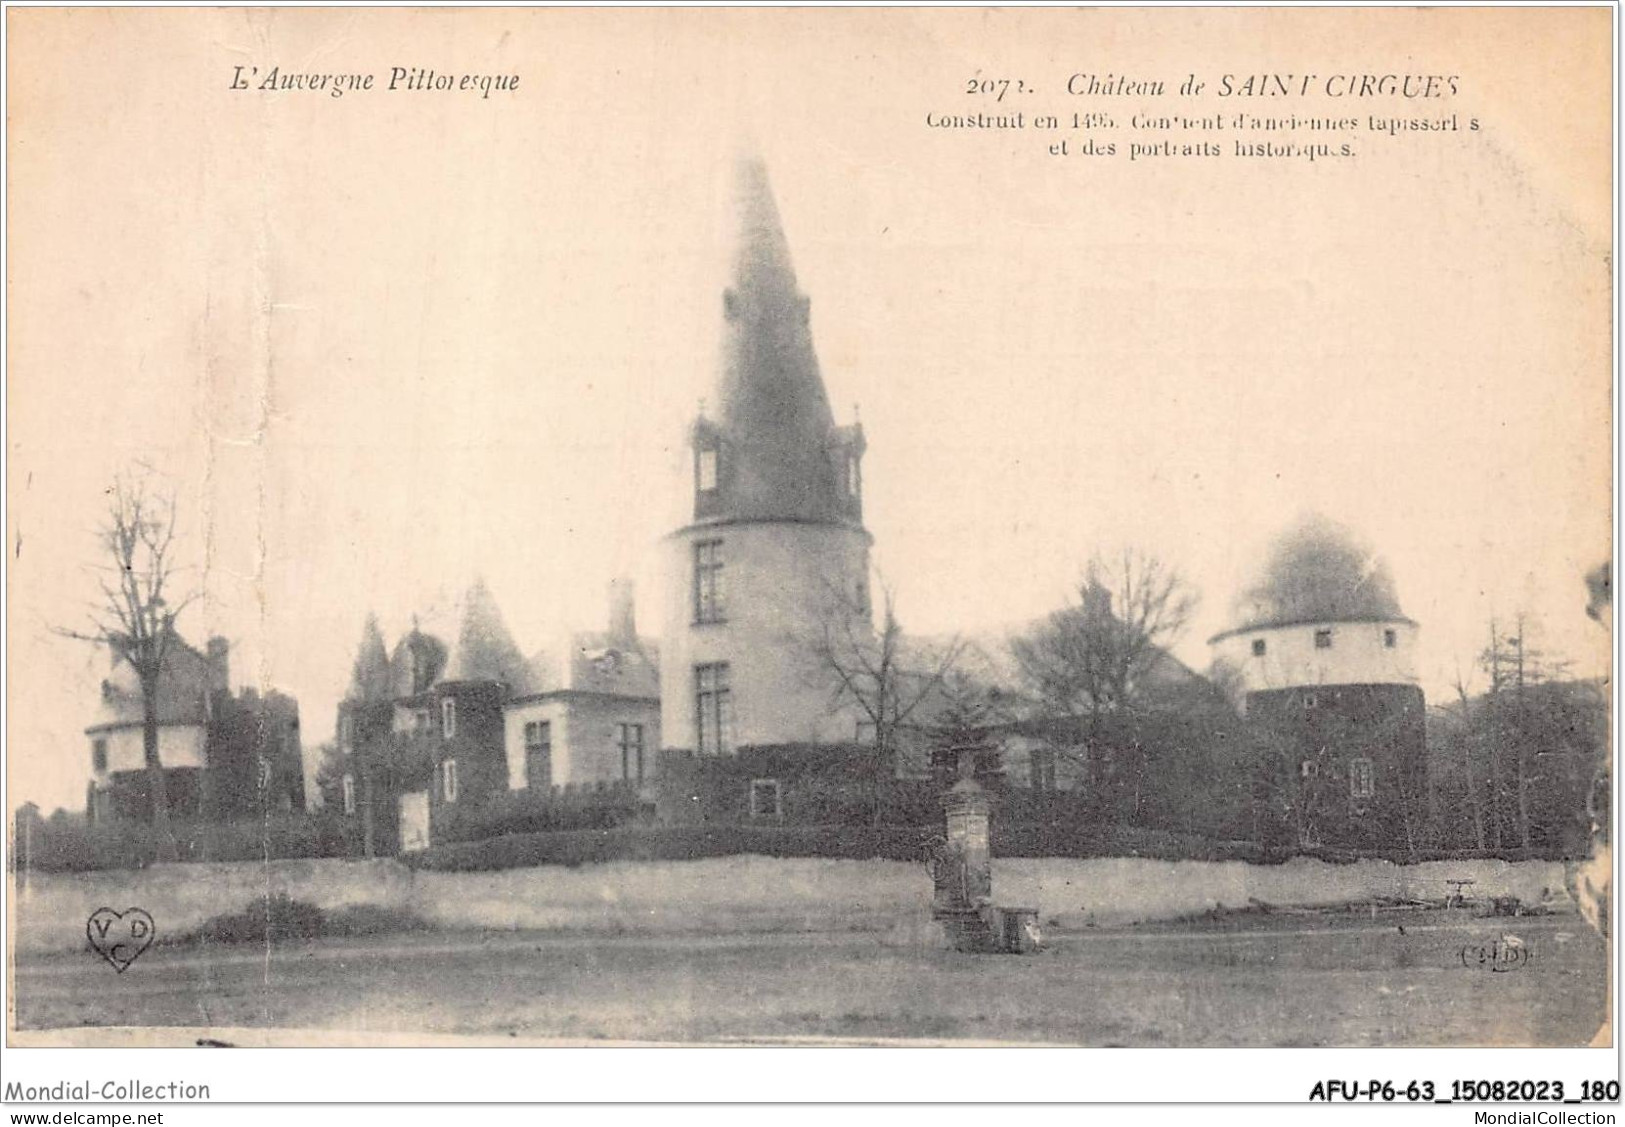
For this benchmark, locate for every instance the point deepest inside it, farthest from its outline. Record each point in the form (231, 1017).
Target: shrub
(270, 919)
(279, 919)
(526, 811)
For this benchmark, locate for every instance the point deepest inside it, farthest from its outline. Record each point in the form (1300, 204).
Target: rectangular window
(630, 741)
(713, 698)
(1323, 639)
(420, 721)
(1362, 779)
(706, 471)
(98, 755)
(448, 718)
(854, 479)
(1042, 764)
(1309, 701)
(448, 780)
(766, 798)
(349, 794)
(1390, 638)
(538, 754)
(346, 732)
(1309, 768)
(708, 603)
(1259, 647)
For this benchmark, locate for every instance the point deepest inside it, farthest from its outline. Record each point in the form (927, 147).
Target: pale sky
(385, 342)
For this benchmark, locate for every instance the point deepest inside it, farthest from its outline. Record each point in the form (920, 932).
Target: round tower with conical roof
(775, 545)
(1326, 660)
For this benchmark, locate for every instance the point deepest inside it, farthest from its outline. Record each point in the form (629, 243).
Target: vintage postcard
(805, 526)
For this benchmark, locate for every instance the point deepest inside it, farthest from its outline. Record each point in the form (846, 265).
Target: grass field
(1332, 979)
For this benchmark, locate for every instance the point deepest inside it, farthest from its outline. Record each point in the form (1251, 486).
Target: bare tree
(1093, 657)
(135, 615)
(1515, 667)
(875, 671)
(1092, 661)
(1467, 741)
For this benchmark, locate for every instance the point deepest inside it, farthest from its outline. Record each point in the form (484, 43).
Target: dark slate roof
(1317, 571)
(484, 650)
(183, 689)
(597, 662)
(772, 413)
(603, 663)
(416, 663)
(369, 676)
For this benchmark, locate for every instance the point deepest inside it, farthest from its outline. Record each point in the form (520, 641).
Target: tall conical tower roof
(484, 650)
(780, 449)
(369, 677)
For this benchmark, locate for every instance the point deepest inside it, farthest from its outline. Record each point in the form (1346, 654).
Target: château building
(223, 755)
(774, 548)
(432, 730)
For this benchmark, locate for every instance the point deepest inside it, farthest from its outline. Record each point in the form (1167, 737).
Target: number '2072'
(998, 87)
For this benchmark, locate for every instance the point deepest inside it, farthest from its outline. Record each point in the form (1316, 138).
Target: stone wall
(729, 895)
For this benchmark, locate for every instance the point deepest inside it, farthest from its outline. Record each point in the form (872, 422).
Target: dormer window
(705, 472)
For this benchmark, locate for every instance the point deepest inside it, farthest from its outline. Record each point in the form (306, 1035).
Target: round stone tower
(776, 551)
(1326, 660)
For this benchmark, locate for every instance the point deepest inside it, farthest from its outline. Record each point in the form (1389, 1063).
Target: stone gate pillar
(970, 868)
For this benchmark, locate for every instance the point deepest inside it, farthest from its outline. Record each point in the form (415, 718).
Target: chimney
(219, 654)
(623, 623)
(1097, 602)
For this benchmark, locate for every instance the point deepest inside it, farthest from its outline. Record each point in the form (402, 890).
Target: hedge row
(891, 843)
(529, 812)
(72, 845)
(675, 843)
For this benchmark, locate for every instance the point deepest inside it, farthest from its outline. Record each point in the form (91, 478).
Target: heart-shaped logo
(120, 937)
